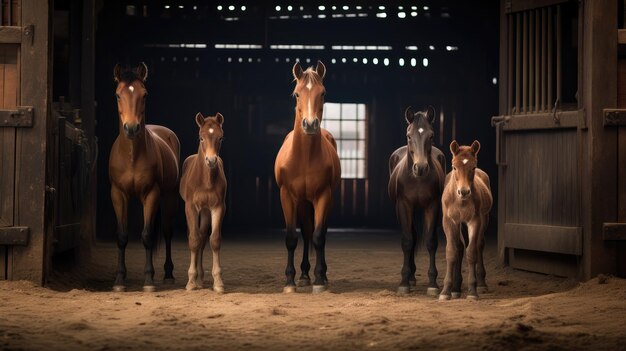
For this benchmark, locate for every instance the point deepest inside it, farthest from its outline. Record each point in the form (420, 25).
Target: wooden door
(538, 139)
(23, 118)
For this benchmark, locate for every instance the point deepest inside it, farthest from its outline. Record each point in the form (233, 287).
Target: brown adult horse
(416, 177)
(307, 169)
(144, 165)
(203, 187)
(466, 201)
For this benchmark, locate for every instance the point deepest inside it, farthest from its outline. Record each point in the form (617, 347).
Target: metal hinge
(20, 117)
(14, 236)
(614, 117)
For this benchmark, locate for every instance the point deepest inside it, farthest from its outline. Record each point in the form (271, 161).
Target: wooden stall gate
(24, 95)
(538, 136)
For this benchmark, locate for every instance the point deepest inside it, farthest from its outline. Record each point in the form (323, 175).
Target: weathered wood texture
(30, 262)
(621, 165)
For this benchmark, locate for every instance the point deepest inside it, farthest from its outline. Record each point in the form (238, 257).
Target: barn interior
(236, 58)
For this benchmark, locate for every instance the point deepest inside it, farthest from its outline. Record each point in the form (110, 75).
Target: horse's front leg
(453, 241)
(305, 214)
(217, 215)
(473, 228)
(480, 265)
(205, 224)
(150, 206)
(430, 217)
(168, 212)
(193, 239)
(291, 238)
(120, 204)
(457, 281)
(321, 207)
(404, 212)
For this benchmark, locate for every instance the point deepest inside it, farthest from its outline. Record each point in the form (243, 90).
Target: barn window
(347, 123)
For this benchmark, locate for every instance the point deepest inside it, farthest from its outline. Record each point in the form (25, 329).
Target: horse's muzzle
(211, 161)
(312, 128)
(131, 130)
(463, 193)
(420, 170)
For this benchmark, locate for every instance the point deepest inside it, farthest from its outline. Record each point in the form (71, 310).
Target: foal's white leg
(217, 214)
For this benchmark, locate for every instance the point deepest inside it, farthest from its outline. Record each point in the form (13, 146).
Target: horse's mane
(129, 75)
(309, 76)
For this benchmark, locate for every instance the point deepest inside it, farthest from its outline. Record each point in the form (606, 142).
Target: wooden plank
(11, 76)
(614, 231)
(621, 36)
(3, 266)
(544, 262)
(621, 166)
(10, 35)
(536, 121)
(14, 236)
(31, 262)
(545, 238)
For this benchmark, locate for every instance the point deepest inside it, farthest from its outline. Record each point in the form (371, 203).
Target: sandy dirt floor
(361, 311)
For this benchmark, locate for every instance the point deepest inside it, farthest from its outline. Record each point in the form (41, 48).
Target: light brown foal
(203, 187)
(466, 200)
(143, 164)
(307, 169)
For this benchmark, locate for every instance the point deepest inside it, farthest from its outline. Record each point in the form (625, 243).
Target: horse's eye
(297, 95)
(117, 96)
(453, 168)
(221, 139)
(408, 137)
(323, 94)
(201, 139)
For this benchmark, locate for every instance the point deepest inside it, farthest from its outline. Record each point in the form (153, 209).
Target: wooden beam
(14, 236)
(614, 231)
(621, 36)
(534, 121)
(10, 35)
(523, 5)
(545, 238)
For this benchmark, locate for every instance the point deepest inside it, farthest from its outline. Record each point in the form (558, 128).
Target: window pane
(361, 111)
(361, 129)
(361, 149)
(348, 129)
(361, 169)
(348, 111)
(332, 127)
(331, 111)
(349, 149)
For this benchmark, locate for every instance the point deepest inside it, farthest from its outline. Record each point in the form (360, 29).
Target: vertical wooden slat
(531, 61)
(550, 59)
(16, 9)
(354, 197)
(537, 59)
(544, 59)
(518, 61)
(366, 192)
(509, 93)
(559, 45)
(525, 64)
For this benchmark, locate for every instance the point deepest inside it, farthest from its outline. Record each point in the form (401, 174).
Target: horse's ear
(409, 115)
(219, 118)
(475, 147)
(142, 72)
(297, 70)
(430, 114)
(199, 119)
(117, 73)
(454, 147)
(320, 69)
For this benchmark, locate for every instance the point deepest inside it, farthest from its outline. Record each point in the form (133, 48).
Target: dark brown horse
(143, 165)
(466, 202)
(307, 169)
(203, 187)
(416, 177)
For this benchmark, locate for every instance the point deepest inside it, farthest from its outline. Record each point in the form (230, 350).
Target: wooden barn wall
(255, 99)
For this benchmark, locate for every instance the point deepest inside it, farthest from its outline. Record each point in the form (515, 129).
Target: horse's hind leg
(404, 211)
(305, 214)
(150, 206)
(217, 215)
(430, 216)
(291, 238)
(120, 204)
(169, 205)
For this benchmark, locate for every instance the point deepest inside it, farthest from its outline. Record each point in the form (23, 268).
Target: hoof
(119, 288)
(412, 282)
(319, 288)
(404, 290)
(456, 295)
(444, 297)
(191, 286)
(432, 291)
(218, 289)
(289, 289)
(472, 297)
(149, 288)
(169, 281)
(482, 289)
(303, 282)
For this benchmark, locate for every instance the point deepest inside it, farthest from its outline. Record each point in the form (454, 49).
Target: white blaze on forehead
(131, 88)
(465, 161)
(309, 109)
(309, 85)
(211, 130)
(421, 130)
